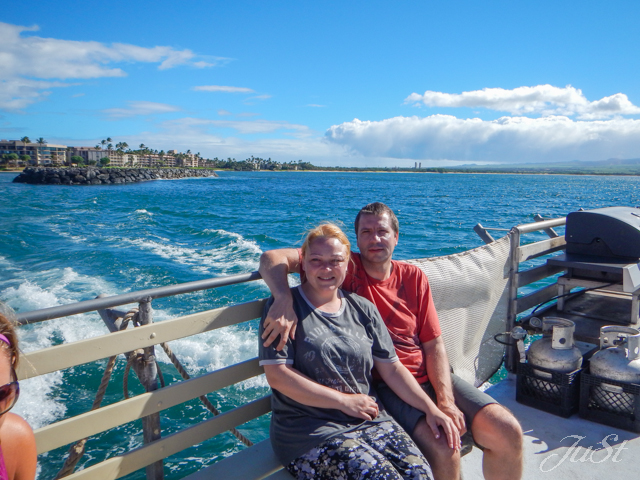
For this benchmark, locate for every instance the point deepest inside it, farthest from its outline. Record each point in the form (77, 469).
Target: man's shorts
(468, 399)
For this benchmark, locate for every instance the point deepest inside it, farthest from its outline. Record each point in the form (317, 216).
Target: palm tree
(109, 139)
(103, 143)
(41, 141)
(142, 146)
(25, 140)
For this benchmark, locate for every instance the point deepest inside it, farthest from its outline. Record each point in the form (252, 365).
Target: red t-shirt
(406, 306)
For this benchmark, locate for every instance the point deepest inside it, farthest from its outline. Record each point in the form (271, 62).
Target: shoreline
(586, 173)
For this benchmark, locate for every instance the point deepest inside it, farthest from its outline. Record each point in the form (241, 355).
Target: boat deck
(549, 440)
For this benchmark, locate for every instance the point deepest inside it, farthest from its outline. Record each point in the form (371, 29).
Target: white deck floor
(549, 453)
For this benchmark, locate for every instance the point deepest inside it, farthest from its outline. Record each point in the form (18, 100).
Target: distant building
(87, 153)
(116, 158)
(40, 154)
(49, 155)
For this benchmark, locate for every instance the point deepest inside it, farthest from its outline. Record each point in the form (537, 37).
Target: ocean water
(62, 244)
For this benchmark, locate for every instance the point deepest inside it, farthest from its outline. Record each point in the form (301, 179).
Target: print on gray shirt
(336, 350)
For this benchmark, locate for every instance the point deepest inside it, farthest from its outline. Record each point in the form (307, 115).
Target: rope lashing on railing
(203, 398)
(77, 449)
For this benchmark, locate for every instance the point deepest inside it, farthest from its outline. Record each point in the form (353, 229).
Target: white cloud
(316, 105)
(17, 93)
(140, 108)
(224, 113)
(27, 61)
(260, 97)
(205, 136)
(542, 99)
(222, 88)
(241, 127)
(507, 139)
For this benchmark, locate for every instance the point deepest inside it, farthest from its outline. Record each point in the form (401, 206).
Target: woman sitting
(18, 457)
(327, 421)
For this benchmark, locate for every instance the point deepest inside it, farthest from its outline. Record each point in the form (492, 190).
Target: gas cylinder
(618, 359)
(555, 350)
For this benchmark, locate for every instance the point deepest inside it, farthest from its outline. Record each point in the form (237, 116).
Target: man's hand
(281, 320)
(452, 411)
(437, 419)
(359, 406)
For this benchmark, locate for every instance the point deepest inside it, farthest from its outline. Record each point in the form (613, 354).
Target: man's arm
(281, 320)
(439, 373)
(407, 388)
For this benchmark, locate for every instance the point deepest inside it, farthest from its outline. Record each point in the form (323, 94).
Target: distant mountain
(610, 166)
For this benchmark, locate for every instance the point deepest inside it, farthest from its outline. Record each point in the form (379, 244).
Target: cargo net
(470, 293)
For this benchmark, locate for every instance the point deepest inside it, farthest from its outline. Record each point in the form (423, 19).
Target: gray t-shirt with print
(336, 350)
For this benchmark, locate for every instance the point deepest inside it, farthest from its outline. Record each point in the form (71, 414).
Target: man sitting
(403, 296)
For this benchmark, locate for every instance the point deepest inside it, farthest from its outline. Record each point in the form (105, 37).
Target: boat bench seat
(254, 463)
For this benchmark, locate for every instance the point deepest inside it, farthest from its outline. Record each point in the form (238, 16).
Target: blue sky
(335, 83)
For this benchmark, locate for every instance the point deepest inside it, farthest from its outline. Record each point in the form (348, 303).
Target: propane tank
(618, 359)
(555, 350)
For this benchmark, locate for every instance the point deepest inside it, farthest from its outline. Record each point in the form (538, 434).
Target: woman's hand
(290, 382)
(281, 320)
(359, 406)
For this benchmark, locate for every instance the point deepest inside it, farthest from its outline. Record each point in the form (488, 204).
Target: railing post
(514, 264)
(483, 234)
(148, 374)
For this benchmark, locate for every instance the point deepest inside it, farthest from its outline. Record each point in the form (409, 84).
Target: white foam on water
(45, 289)
(36, 403)
(142, 211)
(237, 254)
(254, 382)
(74, 238)
(211, 351)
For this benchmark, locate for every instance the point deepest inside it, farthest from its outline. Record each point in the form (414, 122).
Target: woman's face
(325, 264)
(5, 377)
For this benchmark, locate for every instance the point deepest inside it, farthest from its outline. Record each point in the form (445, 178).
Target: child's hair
(9, 333)
(325, 230)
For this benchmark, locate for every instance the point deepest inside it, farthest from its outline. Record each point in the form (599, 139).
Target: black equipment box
(604, 232)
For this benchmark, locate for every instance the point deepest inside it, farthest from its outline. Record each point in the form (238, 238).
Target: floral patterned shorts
(373, 451)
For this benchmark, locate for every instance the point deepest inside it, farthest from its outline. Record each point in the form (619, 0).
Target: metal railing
(133, 297)
(147, 336)
(518, 279)
(143, 339)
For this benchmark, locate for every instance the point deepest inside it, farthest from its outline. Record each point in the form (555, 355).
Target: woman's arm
(290, 382)
(407, 388)
(281, 319)
(19, 448)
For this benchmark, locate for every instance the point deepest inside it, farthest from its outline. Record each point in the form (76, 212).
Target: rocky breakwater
(103, 176)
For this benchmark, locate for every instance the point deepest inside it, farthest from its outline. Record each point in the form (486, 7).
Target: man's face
(376, 238)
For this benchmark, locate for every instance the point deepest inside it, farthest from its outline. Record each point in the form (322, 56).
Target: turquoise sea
(62, 244)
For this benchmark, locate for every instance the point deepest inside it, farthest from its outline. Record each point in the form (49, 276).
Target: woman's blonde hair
(325, 230)
(9, 332)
